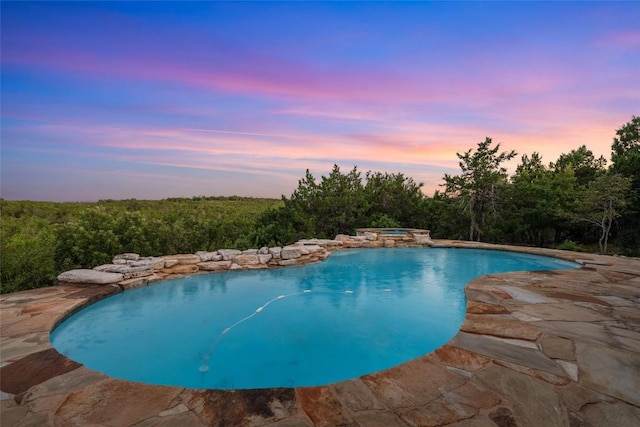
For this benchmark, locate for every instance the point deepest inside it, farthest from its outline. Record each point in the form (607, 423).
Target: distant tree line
(577, 202)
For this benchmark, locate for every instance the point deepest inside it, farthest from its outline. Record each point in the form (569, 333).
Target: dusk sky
(160, 99)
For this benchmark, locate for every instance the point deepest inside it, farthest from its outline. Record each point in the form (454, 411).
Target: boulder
(313, 248)
(126, 257)
(92, 277)
(370, 236)
(228, 254)
(320, 242)
(293, 251)
(186, 259)
(168, 262)
(373, 244)
(181, 269)
(422, 239)
(263, 250)
(275, 252)
(208, 256)
(247, 259)
(128, 271)
(214, 265)
(250, 252)
(153, 262)
(265, 258)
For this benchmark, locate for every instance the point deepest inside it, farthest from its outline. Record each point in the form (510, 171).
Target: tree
(538, 198)
(625, 158)
(477, 188)
(584, 164)
(603, 202)
(394, 199)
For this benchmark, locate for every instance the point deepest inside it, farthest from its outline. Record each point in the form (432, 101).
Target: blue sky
(177, 99)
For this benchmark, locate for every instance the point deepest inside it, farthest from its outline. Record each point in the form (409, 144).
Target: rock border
(130, 270)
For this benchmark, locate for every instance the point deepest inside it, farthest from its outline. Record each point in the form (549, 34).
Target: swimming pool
(359, 312)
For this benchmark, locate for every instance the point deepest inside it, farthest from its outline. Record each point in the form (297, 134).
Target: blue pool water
(359, 312)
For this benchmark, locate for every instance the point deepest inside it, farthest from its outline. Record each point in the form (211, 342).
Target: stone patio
(558, 348)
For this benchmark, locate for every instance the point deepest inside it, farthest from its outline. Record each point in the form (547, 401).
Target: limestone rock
(247, 259)
(215, 265)
(182, 269)
(208, 256)
(321, 242)
(275, 252)
(293, 252)
(128, 271)
(265, 258)
(312, 248)
(127, 257)
(228, 254)
(186, 259)
(250, 252)
(153, 262)
(422, 239)
(90, 277)
(263, 250)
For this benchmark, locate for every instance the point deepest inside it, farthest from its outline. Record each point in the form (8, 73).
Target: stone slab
(499, 326)
(487, 346)
(556, 347)
(356, 396)
(582, 331)
(609, 370)
(534, 402)
(567, 311)
(34, 369)
(92, 277)
(121, 403)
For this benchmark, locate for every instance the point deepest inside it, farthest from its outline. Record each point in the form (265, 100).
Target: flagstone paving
(558, 348)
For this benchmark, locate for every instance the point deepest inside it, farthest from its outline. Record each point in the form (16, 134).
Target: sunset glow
(151, 100)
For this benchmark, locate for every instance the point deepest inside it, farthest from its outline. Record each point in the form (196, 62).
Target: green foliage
(603, 202)
(570, 245)
(625, 160)
(340, 203)
(382, 220)
(478, 189)
(585, 166)
(42, 239)
(538, 198)
(395, 197)
(26, 253)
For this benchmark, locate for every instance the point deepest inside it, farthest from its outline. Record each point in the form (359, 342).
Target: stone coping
(547, 348)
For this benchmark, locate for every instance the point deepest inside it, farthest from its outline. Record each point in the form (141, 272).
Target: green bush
(569, 245)
(26, 254)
